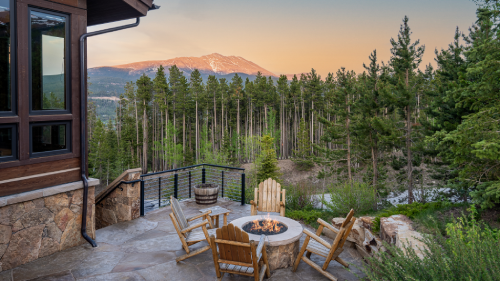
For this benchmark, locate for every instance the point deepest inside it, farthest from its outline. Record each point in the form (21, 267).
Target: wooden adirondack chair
(185, 229)
(320, 247)
(267, 198)
(238, 255)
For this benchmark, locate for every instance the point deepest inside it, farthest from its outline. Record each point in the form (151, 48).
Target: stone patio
(146, 248)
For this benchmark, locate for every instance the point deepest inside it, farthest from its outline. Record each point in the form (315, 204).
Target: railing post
(222, 175)
(243, 189)
(189, 184)
(176, 182)
(159, 192)
(203, 175)
(142, 198)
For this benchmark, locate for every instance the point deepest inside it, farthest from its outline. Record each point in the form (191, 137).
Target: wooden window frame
(68, 148)
(13, 63)
(67, 63)
(78, 26)
(15, 144)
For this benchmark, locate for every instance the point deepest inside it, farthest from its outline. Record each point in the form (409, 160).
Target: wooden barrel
(206, 193)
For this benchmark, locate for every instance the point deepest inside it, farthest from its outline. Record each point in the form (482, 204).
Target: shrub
(471, 252)
(351, 195)
(300, 196)
(409, 210)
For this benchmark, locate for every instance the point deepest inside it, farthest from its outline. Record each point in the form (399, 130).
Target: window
(7, 102)
(49, 69)
(8, 143)
(49, 138)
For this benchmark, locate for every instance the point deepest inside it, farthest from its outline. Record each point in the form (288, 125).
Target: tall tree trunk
(411, 198)
(137, 132)
(145, 141)
(348, 120)
(196, 132)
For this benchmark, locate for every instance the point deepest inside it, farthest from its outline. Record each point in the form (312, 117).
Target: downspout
(83, 120)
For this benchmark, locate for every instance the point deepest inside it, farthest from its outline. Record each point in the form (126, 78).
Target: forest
(397, 113)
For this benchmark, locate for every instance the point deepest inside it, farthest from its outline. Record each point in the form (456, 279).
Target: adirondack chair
(267, 198)
(185, 229)
(238, 255)
(320, 247)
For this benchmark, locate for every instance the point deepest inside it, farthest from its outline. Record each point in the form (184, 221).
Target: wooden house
(43, 167)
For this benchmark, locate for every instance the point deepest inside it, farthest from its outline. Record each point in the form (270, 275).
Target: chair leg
(301, 253)
(266, 262)
(193, 253)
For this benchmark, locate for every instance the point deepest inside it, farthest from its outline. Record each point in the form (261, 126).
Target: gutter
(83, 121)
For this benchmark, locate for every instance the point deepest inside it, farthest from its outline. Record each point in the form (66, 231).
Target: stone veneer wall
(39, 223)
(119, 202)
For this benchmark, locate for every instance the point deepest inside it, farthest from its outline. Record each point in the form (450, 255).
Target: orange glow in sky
(284, 37)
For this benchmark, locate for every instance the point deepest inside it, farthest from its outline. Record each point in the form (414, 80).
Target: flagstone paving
(146, 248)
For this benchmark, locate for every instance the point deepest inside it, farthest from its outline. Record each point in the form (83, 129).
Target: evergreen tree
(302, 155)
(267, 164)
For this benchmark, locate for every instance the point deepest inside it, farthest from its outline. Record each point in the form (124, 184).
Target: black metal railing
(156, 188)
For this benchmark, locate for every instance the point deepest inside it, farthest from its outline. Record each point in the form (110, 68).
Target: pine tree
(302, 155)
(144, 96)
(406, 57)
(267, 164)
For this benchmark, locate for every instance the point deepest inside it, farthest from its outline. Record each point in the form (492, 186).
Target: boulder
(357, 234)
(411, 238)
(367, 222)
(393, 225)
(5, 233)
(48, 247)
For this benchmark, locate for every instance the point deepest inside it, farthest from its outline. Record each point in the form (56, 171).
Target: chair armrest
(253, 203)
(317, 238)
(261, 244)
(327, 225)
(282, 204)
(200, 224)
(199, 216)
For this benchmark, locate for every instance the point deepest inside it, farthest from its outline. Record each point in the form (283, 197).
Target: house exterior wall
(39, 223)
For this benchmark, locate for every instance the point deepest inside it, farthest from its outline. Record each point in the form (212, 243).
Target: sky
(284, 37)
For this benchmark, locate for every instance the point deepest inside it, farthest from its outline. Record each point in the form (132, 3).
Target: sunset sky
(284, 37)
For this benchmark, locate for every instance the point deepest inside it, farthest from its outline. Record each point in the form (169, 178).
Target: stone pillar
(282, 256)
(119, 202)
(39, 223)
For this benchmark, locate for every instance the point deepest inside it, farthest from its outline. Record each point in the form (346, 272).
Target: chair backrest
(269, 196)
(178, 213)
(344, 231)
(233, 252)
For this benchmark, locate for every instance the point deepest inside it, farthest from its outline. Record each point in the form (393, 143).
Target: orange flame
(268, 224)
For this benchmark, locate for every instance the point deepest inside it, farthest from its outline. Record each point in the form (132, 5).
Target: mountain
(110, 80)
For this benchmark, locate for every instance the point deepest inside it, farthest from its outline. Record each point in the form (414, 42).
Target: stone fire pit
(282, 249)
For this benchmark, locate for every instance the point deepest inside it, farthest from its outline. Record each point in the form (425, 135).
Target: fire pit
(283, 237)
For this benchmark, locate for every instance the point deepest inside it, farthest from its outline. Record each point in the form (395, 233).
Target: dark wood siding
(34, 183)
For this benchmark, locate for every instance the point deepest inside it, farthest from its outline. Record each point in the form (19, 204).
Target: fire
(266, 224)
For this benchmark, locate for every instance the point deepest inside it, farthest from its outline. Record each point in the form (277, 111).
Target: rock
(52, 231)
(282, 256)
(75, 209)
(63, 217)
(357, 234)
(3, 248)
(17, 226)
(36, 217)
(370, 241)
(57, 202)
(5, 233)
(48, 247)
(23, 247)
(28, 206)
(367, 222)
(39, 203)
(411, 239)
(77, 198)
(10, 214)
(71, 236)
(392, 225)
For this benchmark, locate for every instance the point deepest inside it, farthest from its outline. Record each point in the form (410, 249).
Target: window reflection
(48, 137)
(5, 90)
(6, 142)
(48, 66)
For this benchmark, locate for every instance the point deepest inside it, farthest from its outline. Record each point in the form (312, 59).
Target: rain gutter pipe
(83, 120)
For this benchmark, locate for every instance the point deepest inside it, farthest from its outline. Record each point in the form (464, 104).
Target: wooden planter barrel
(206, 193)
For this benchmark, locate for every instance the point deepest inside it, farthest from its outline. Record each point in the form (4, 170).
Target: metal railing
(156, 188)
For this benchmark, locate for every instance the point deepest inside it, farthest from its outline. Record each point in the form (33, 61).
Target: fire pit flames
(266, 226)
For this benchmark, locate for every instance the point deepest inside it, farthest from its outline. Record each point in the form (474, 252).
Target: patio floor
(146, 248)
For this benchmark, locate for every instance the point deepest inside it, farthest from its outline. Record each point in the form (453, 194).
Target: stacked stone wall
(119, 202)
(40, 227)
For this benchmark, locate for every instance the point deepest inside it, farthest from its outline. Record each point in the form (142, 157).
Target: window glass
(5, 80)
(6, 142)
(48, 137)
(48, 65)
